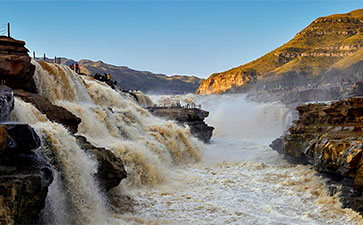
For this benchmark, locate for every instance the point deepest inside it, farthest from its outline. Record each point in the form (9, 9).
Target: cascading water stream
(147, 145)
(83, 203)
(238, 179)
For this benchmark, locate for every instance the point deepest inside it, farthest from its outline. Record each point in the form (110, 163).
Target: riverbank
(329, 137)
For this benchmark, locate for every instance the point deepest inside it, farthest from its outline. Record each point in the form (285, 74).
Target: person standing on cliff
(77, 68)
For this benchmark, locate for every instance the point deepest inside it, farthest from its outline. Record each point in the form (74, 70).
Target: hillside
(328, 42)
(141, 80)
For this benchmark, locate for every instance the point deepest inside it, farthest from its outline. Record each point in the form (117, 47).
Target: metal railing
(178, 105)
(5, 29)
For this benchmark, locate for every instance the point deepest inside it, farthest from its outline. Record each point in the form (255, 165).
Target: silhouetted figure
(77, 69)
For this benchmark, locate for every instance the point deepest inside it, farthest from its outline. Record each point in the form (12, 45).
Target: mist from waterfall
(172, 177)
(240, 180)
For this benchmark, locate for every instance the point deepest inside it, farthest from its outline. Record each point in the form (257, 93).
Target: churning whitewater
(172, 177)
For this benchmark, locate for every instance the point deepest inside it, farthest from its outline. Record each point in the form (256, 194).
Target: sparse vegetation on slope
(141, 80)
(327, 41)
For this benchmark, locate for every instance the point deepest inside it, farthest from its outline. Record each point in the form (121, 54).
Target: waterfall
(148, 146)
(84, 203)
(234, 116)
(143, 99)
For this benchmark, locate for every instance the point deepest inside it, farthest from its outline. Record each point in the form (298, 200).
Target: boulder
(16, 69)
(23, 137)
(54, 113)
(24, 176)
(200, 130)
(193, 117)
(329, 137)
(110, 169)
(6, 102)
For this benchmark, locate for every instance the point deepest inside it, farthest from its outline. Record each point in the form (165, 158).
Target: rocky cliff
(24, 175)
(328, 42)
(193, 117)
(16, 71)
(329, 137)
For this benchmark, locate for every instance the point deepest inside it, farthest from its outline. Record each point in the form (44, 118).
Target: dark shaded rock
(329, 137)
(278, 145)
(24, 176)
(6, 102)
(193, 117)
(54, 113)
(110, 170)
(23, 136)
(16, 69)
(201, 130)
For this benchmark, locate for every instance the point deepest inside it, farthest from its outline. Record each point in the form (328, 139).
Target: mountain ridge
(312, 51)
(145, 81)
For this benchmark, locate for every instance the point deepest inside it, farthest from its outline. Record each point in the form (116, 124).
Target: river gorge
(167, 176)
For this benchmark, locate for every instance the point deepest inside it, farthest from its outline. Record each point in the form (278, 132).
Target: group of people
(105, 78)
(75, 67)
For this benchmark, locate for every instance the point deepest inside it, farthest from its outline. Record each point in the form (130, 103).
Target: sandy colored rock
(323, 45)
(16, 69)
(329, 137)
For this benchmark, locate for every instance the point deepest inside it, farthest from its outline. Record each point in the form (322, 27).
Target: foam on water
(148, 146)
(78, 198)
(240, 180)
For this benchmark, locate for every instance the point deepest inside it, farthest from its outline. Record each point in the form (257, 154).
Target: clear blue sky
(169, 37)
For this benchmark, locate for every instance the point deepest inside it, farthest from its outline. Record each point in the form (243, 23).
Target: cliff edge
(329, 137)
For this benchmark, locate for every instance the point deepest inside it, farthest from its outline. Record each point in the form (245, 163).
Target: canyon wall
(329, 137)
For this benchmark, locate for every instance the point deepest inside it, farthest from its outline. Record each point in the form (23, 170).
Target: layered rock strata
(333, 41)
(193, 117)
(16, 70)
(24, 176)
(329, 137)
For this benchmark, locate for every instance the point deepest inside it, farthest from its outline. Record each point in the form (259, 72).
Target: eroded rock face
(24, 176)
(192, 117)
(53, 112)
(329, 137)
(313, 52)
(110, 170)
(16, 69)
